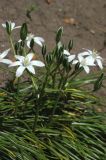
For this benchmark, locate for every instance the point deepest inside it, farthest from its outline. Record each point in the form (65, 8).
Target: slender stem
(12, 45)
(44, 84)
(54, 80)
(65, 80)
(39, 101)
(62, 79)
(33, 82)
(74, 74)
(36, 118)
(17, 94)
(60, 82)
(36, 105)
(54, 108)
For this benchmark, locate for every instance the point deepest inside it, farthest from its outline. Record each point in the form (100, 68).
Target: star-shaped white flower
(4, 54)
(84, 62)
(26, 63)
(93, 56)
(11, 25)
(69, 56)
(38, 40)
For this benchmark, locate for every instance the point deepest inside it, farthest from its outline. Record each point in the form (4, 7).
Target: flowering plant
(46, 114)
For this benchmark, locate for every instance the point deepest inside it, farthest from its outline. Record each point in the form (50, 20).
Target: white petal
(12, 25)
(88, 50)
(30, 56)
(80, 58)
(86, 68)
(99, 57)
(20, 71)
(17, 27)
(28, 43)
(90, 61)
(6, 61)
(37, 63)
(71, 58)
(16, 63)
(20, 58)
(99, 63)
(3, 54)
(31, 69)
(39, 40)
(75, 62)
(30, 37)
(19, 40)
(66, 52)
(84, 54)
(4, 25)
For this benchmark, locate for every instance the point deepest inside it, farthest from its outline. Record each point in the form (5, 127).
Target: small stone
(71, 21)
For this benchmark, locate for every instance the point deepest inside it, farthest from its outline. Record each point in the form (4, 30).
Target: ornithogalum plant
(47, 114)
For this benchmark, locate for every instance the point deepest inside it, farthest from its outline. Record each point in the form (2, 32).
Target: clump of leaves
(51, 116)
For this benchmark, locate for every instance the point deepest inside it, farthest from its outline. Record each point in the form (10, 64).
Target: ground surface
(84, 21)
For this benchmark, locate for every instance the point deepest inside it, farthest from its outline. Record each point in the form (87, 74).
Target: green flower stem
(36, 105)
(12, 45)
(65, 80)
(61, 78)
(44, 84)
(54, 75)
(54, 80)
(33, 82)
(54, 108)
(39, 100)
(60, 82)
(74, 74)
(36, 118)
(17, 80)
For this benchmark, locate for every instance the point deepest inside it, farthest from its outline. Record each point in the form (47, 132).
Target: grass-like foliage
(51, 115)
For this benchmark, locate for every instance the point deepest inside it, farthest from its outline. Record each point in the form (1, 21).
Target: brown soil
(84, 21)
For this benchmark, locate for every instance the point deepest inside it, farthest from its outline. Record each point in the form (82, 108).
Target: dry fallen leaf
(71, 21)
(92, 31)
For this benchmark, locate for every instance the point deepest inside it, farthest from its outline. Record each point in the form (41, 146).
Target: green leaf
(8, 27)
(98, 83)
(32, 43)
(70, 45)
(59, 34)
(23, 32)
(44, 50)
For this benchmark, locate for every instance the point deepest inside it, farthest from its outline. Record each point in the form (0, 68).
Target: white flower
(70, 57)
(38, 40)
(11, 25)
(93, 56)
(66, 52)
(4, 54)
(26, 63)
(84, 62)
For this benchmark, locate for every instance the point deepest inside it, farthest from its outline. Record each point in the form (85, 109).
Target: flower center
(94, 54)
(26, 62)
